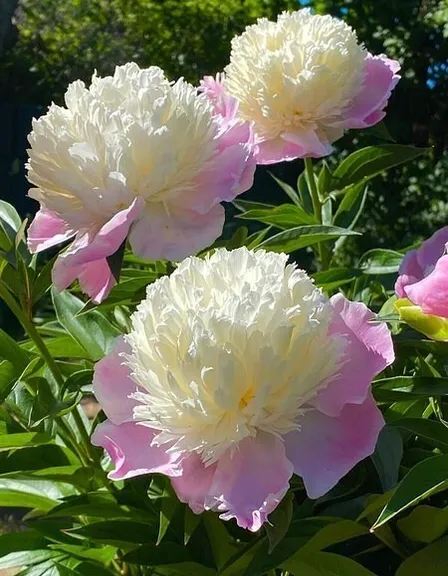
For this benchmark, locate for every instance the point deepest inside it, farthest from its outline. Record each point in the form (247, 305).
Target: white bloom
(295, 73)
(128, 135)
(227, 346)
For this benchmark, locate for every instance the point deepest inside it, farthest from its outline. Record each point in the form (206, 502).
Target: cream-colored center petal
(296, 74)
(230, 346)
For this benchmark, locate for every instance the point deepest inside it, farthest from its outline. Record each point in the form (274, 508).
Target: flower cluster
(238, 372)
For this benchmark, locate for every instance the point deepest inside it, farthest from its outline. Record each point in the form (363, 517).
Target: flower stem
(323, 252)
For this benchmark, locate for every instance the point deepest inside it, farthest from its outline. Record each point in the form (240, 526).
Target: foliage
(63, 40)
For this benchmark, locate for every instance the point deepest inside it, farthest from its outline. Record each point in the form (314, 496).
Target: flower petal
(193, 484)
(290, 146)
(47, 230)
(250, 481)
(326, 448)
(369, 350)
(112, 384)
(431, 293)
(380, 78)
(173, 234)
(86, 257)
(129, 447)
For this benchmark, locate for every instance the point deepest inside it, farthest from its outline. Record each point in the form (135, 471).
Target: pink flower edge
(368, 351)
(423, 275)
(380, 78)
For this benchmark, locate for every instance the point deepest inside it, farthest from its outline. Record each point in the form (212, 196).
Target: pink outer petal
(291, 146)
(250, 482)
(431, 293)
(224, 104)
(379, 80)
(47, 230)
(417, 264)
(173, 233)
(410, 272)
(112, 384)
(247, 483)
(194, 484)
(369, 349)
(129, 447)
(326, 448)
(86, 257)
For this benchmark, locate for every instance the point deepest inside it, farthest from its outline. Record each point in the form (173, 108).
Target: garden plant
(265, 409)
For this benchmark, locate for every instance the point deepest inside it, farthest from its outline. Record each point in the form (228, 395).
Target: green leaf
(379, 131)
(191, 522)
(380, 261)
(246, 205)
(10, 223)
(288, 190)
(304, 193)
(327, 564)
(335, 277)
(169, 505)
(324, 180)
(431, 430)
(92, 330)
(279, 521)
(222, 545)
(19, 541)
(25, 440)
(408, 387)
(431, 560)
(302, 236)
(238, 239)
(152, 555)
(424, 524)
(11, 351)
(60, 347)
(285, 216)
(17, 499)
(27, 558)
(424, 479)
(118, 532)
(351, 207)
(387, 457)
(364, 164)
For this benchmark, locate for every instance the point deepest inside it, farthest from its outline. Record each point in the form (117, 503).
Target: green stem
(85, 436)
(324, 254)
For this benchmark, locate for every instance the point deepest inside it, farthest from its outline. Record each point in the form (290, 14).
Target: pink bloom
(133, 157)
(282, 386)
(423, 275)
(302, 81)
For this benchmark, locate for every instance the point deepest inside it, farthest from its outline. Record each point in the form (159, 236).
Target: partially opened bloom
(132, 156)
(423, 275)
(303, 80)
(238, 372)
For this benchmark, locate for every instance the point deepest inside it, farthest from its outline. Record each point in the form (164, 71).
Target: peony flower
(302, 81)
(132, 156)
(238, 372)
(423, 275)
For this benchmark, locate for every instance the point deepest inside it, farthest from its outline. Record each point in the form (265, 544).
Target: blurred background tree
(58, 41)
